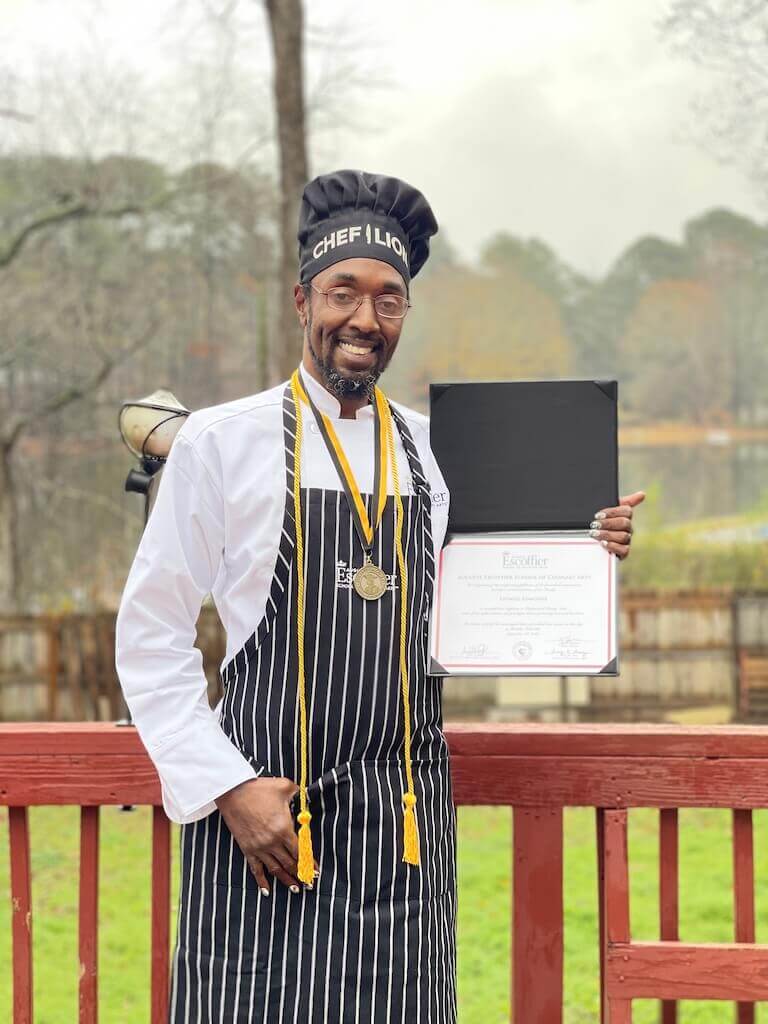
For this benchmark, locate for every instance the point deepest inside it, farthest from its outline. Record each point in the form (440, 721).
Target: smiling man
(348, 358)
(318, 839)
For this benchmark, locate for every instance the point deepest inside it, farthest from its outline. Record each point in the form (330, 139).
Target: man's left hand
(613, 526)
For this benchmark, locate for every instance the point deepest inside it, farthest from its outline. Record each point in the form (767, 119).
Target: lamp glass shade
(149, 425)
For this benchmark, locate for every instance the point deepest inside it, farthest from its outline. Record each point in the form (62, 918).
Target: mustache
(374, 340)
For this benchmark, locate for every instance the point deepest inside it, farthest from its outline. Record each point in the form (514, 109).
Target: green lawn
(484, 910)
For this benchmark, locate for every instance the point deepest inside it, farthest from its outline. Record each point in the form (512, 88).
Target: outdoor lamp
(148, 427)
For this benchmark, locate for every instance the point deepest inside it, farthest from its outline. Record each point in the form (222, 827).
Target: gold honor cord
(411, 837)
(306, 866)
(369, 580)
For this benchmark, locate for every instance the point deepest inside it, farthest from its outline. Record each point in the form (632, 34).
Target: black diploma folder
(526, 455)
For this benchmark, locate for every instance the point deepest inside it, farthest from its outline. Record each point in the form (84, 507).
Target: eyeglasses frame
(361, 299)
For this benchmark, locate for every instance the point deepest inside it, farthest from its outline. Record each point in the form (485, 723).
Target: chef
(318, 831)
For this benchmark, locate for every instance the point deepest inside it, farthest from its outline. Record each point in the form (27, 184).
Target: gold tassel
(306, 866)
(306, 871)
(411, 844)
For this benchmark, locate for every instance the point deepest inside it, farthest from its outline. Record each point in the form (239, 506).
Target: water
(699, 481)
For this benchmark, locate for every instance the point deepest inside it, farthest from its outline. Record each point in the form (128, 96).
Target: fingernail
(294, 888)
(265, 892)
(599, 515)
(594, 533)
(595, 523)
(309, 885)
(604, 543)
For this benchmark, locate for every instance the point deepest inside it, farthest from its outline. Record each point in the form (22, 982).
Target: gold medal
(370, 581)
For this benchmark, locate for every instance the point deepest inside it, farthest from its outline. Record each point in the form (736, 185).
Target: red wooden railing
(537, 770)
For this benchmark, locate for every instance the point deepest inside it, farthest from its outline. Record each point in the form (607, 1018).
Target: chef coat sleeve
(160, 669)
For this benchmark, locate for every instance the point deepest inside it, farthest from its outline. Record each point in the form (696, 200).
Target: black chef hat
(350, 214)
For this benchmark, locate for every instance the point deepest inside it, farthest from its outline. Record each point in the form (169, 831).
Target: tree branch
(73, 392)
(82, 210)
(79, 211)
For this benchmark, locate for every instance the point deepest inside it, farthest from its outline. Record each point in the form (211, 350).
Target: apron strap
(284, 560)
(422, 487)
(420, 482)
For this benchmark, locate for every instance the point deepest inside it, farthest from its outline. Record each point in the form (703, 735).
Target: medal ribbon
(365, 529)
(305, 869)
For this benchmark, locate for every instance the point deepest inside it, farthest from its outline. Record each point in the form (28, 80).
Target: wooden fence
(678, 650)
(62, 667)
(537, 770)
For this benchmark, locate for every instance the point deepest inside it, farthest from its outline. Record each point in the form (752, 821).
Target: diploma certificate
(533, 603)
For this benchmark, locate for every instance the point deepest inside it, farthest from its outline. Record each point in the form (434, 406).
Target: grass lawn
(484, 910)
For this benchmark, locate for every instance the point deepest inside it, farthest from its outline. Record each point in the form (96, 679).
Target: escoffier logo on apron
(344, 574)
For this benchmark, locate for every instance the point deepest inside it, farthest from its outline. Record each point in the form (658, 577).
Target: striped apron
(374, 941)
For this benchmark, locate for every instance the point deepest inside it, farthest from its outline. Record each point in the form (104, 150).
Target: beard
(344, 385)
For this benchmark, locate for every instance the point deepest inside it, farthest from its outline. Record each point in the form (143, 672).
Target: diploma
(508, 604)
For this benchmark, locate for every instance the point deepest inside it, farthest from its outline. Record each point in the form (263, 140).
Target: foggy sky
(569, 120)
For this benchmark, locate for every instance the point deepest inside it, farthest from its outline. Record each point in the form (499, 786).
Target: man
(318, 828)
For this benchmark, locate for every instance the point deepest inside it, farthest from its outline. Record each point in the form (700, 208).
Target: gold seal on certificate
(525, 604)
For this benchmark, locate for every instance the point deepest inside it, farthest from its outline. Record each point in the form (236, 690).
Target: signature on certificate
(569, 648)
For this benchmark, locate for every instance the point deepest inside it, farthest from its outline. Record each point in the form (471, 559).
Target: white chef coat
(215, 528)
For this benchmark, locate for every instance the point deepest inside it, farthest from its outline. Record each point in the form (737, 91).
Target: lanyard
(364, 528)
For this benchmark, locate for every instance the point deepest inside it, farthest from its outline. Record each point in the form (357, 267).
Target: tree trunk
(286, 24)
(10, 562)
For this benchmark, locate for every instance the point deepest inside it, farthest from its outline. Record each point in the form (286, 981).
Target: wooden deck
(538, 770)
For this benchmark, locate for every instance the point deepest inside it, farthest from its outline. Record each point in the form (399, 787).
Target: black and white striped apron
(374, 941)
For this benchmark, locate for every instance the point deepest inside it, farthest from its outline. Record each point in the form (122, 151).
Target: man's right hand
(258, 815)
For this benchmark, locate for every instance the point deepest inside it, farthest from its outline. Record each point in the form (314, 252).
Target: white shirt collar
(325, 401)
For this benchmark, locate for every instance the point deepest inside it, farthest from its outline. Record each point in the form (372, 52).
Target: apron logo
(344, 574)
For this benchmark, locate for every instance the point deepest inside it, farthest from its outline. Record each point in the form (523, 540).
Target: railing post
(161, 911)
(602, 939)
(668, 893)
(89, 915)
(616, 904)
(537, 915)
(743, 894)
(21, 914)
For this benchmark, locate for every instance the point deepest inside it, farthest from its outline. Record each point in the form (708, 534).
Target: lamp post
(149, 426)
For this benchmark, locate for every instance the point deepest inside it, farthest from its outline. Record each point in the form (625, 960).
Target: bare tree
(729, 38)
(120, 273)
(65, 210)
(12, 429)
(286, 27)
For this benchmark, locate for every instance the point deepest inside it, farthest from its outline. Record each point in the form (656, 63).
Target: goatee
(341, 385)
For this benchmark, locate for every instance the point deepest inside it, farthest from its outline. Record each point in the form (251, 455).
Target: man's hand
(260, 820)
(613, 526)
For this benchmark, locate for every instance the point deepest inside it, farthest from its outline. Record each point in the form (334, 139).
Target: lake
(701, 480)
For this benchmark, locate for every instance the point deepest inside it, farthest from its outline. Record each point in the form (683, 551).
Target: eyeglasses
(387, 304)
